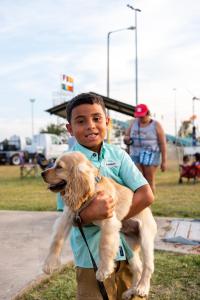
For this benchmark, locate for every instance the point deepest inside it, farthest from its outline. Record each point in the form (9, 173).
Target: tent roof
(115, 105)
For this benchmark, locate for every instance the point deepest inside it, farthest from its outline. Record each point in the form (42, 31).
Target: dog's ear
(81, 185)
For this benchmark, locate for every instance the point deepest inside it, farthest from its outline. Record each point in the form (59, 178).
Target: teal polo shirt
(116, 164)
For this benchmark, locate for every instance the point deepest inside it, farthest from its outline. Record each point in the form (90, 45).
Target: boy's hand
(101, 207)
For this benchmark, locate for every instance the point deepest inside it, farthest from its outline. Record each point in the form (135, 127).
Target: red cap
(141, 110)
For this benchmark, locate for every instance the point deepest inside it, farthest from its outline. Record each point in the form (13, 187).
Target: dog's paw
(129, 294)
(104, 272)
(102, 275)
(51, 264)
(142, 290)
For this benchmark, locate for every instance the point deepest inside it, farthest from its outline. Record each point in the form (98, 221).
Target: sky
(42, 39)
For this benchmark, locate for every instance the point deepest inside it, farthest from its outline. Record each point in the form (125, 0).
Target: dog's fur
(74, 176)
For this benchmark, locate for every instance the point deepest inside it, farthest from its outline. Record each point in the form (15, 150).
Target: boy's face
(89, 125)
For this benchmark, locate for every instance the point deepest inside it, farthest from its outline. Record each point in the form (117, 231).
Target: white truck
(48, 145)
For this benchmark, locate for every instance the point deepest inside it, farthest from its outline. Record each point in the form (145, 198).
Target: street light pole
(108, 67)
(32, 100)
(136, 56)
(108, 55)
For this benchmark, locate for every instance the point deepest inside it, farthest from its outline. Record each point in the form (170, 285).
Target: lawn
(176, 277)
(172, 199)
(29, 193)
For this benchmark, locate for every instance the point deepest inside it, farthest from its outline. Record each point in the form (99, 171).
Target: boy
(87, 122)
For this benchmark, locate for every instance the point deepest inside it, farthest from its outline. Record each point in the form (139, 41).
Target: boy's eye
(80, 121)
(96, 119)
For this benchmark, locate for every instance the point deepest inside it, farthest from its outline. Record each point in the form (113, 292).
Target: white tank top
(143, 137)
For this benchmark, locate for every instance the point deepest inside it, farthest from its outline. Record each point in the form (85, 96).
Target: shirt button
(94, 154)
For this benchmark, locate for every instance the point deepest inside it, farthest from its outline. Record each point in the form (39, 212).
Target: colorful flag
(63, 86)
(67, 83)
(70, 88)
(70, 79)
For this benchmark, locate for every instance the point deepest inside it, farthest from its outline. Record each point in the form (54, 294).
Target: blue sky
(42, 39)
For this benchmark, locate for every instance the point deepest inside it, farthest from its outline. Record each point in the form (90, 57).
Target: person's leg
(124, 281)
(149, 173)
(87, 288)
(116, 284)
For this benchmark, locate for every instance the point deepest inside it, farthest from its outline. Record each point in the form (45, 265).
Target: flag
(63, 86)
(70, 88)
(70, 79)
(67, 83)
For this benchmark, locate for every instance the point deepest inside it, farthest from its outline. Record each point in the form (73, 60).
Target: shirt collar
(91, 155)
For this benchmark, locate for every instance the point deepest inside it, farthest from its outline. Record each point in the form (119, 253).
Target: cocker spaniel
(75, 176)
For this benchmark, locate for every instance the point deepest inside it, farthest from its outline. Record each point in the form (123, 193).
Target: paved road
(25, 238)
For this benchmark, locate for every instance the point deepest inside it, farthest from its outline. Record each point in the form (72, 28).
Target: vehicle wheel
(15, 160)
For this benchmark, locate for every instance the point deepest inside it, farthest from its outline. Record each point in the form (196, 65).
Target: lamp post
(32, 100)
(175, 114)
(108, 67)
(108, 55)
(136, 57)
(194, 138)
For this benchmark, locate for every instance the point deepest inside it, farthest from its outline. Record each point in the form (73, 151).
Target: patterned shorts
(156, 160)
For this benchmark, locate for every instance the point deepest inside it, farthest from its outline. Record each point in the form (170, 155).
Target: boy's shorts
(116, 284)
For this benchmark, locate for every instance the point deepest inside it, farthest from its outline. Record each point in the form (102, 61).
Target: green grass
(60, 286)
(176, 277)
(172, 199)
(29, 193)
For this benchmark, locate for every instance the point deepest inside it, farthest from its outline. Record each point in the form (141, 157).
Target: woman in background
(147, 143)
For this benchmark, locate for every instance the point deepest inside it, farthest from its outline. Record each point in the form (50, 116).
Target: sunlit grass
(29, 193)
(172, 199)
(176, 277)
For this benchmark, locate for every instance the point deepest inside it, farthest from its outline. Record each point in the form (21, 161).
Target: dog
(75, 177)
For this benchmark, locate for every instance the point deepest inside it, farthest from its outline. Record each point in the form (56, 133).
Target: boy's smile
(89, 125)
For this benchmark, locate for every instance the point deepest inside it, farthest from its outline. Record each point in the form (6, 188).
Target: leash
(100, 283)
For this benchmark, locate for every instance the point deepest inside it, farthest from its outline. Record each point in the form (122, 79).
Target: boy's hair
(84, 98)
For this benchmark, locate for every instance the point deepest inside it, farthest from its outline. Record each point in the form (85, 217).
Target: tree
(54, 129)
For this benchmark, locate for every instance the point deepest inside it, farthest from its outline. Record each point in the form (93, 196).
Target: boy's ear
(107, 120)
(69, 128)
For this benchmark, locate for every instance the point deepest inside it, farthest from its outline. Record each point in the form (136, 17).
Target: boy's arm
(127, 133)
(142, 198)
(102, 206)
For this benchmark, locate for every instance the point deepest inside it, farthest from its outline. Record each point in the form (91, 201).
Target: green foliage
(55, 129)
